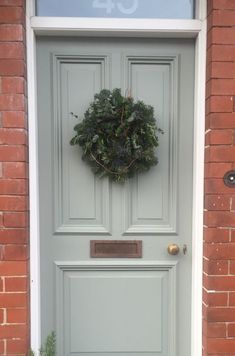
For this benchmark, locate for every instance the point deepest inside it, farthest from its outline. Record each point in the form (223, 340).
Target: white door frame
(120, 27)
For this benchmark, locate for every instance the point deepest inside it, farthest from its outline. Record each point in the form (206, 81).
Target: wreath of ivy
(117, 135)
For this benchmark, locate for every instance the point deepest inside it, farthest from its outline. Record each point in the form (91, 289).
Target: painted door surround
(88, 302)
(158, 28)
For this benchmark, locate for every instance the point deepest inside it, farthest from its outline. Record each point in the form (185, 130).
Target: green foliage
(49, 348)
(117, 135)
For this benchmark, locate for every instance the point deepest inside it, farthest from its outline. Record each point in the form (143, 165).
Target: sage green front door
(115, 306)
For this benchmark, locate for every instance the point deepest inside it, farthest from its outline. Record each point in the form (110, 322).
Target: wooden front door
(112, 306)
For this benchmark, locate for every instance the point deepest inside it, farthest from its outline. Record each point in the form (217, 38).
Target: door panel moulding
(162, 28)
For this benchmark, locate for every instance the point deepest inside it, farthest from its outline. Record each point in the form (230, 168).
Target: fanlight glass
(171, 9)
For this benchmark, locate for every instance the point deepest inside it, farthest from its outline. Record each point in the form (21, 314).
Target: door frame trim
(115, 27)
(142, 28)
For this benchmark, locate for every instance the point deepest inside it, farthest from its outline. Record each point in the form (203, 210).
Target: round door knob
(173, 249)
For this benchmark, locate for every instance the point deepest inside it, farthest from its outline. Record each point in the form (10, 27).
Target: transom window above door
(171, 9)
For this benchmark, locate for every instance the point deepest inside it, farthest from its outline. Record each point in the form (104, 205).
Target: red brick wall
(14, 329)
(219, 236)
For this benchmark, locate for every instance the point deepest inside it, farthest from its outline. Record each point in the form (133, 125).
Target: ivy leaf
(131, 118)
(95, 138)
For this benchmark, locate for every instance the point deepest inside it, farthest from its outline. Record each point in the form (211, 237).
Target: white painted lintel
(71, 26)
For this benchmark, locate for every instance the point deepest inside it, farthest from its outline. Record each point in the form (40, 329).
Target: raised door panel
(150, 204)
(81, 200)
(116, 310)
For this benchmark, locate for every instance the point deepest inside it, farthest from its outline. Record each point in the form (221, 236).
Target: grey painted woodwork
(110, 306)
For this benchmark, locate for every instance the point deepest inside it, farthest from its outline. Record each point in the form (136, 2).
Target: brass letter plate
(116, 248)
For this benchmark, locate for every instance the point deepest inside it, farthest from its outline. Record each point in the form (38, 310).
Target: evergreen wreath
(117, 135)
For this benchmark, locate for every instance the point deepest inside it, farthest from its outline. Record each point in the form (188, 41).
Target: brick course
(219, 215)
(14, 251)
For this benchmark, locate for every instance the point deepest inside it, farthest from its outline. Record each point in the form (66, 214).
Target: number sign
(110, 5)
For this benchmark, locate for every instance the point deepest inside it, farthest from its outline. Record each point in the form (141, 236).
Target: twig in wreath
(109, 170)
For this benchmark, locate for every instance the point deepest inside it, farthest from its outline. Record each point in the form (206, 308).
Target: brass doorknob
(173, 249)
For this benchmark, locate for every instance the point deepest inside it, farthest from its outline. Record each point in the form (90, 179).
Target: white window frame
(57, 26)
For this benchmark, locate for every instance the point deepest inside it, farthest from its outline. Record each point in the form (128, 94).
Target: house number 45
(109, 6)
